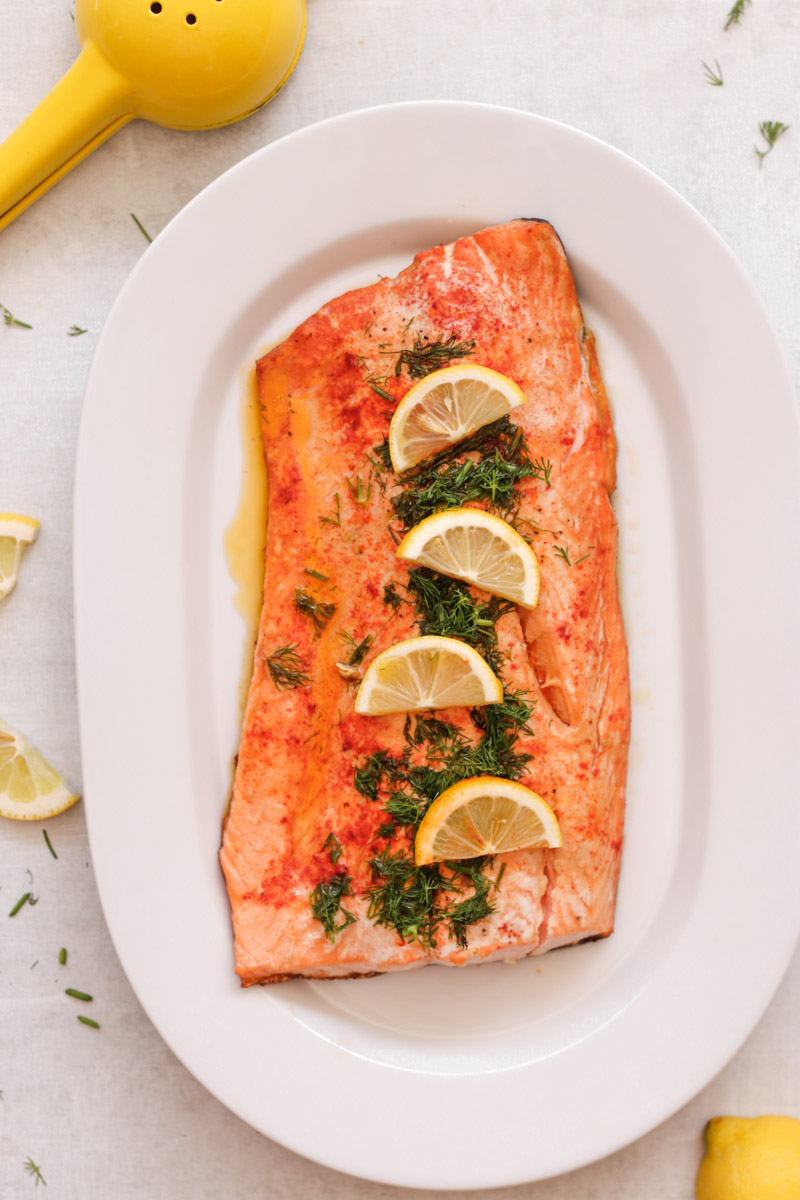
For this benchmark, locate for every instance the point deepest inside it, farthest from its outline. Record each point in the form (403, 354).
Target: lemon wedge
(29, 787)
(427, 672)
(16, 532)
(445, 407)
(485, 815)
(470, 544)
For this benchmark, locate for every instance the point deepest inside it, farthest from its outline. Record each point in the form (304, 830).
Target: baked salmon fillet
(317, 845)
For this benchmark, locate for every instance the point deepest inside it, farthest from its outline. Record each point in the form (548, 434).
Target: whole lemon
(754, 1158)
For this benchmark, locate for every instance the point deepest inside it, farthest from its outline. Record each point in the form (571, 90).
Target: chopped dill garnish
(49, 844)
(318, 611)
(62, 956)
(770, 131)
(382, 392)
(736, 13)
(713, 77)
(336, 519)
(583, 556)
(316, 574)
(88, 1021)
(76, 995)
(28, 898)
(327, 907)
(427, 355)
(75, 331)
(333, 844)
(287, 668)
(446, 608)
(563, 552)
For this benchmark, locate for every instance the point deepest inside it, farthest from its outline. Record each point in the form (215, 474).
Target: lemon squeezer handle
(84, 108)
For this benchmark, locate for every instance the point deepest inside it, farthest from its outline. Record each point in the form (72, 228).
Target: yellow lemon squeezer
(185, 64)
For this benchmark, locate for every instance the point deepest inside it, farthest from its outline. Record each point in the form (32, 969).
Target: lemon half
(445, 407)
(470, 544)
(425, 673)
(485, 815)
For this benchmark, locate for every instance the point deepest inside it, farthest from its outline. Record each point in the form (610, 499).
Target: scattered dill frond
(358, 650)
(376, 387)
(287, 668)
(736, 13)
(141, 227)
(333, 844)
(713, 77)
(10, 319)
(318, 611)
(392, 597)
(361, 490)
(75, 331)
(32, 1169)
(49, 844)
(316, 574)
(383, 454)
(427, 355)
(583, 556)
(336, 519)
(326, 905)
(76, 995)
(770, 131)
(88, 1021)
(62, 956)
(563, 552)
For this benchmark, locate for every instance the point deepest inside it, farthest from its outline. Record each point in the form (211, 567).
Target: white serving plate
(496, 1075)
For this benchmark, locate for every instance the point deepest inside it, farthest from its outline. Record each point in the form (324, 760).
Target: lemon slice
(16, 532)
(29, 787)
(470, 544)
(427, 672)
(445, 407)
(485, 815)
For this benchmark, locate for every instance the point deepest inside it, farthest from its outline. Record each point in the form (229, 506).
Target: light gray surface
(111, 1112)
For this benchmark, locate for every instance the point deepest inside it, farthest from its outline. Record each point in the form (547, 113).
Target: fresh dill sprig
(427, 355)
(713, 77)
(770, 131)
(75, 331)
(736, 13)
(287, 668)
(49, 844)
(141, 227)
(326, 905)
(583, 556)
(10, 319)
(318, 611)
(563, 552)
(32, 1169)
